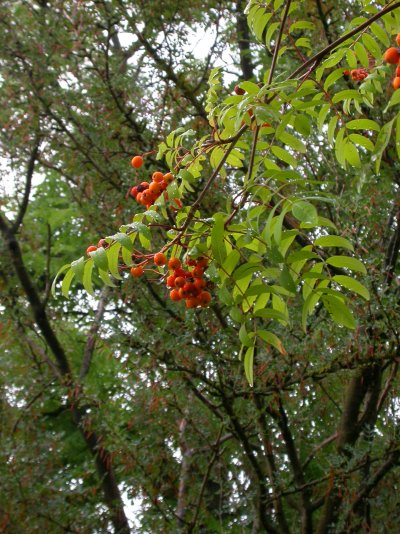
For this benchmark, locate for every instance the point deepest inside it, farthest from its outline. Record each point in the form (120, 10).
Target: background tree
(127, 396)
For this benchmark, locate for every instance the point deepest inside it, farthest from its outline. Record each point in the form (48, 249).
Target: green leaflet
(66, 283)
(305, 212)
(78, 267)
(248, 365)
(99, 257)
(339, 312)
(113, 260)
(106, 278)
(347, 262)
(353, 285)
(60, 271)
(217, 238)
(272, 339)
(87, 277)
(333, 241)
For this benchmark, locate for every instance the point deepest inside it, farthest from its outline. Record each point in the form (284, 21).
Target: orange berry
(174, 263)
(134, 192)
(171, 280)
(398, 39)
(92, 248)
(197, 272)
(137, 162)
(396, 83)
(202, 262)
(139, 197)
(185, 291)
(175, 295)
(180, 281)
(190, 262)
(191, 302)
(168, 178)
(155, 188)
(144, 185)
(160, 259)
(392, 55)
(137, 271)
(398, 71)
(157, 176)
(147, 197)
(204, 299)
(199, 283)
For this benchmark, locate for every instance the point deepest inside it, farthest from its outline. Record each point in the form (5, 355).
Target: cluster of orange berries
(187, 285)
(147, 193)
(358, 75)
(392, 56)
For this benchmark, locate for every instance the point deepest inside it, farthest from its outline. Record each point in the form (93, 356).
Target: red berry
(137, 162)
(238, 90)
(133, 192)
(192, 302)
(171, 280)
(190, 262)
(175, 295)
(174, 263)
(180, 281)
(204, 299)
(92, 248)
(102, 243)
(137, 271)
(396, 83)
(199, 283)
(160, 259)
(197, 272)
(202, 262)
